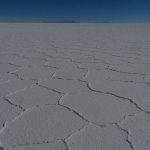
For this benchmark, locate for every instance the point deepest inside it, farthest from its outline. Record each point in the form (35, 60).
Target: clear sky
(77, 10)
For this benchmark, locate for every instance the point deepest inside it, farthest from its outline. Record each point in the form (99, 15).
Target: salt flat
(74, 86)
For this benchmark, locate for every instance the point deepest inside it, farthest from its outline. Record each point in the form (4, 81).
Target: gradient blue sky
(78, 10)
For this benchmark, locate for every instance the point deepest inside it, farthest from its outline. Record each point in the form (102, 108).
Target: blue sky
(78, 10)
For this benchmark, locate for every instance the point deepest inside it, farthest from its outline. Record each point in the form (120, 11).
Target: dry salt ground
(74, 86)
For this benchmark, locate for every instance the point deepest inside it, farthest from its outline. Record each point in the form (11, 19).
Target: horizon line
(70, 21)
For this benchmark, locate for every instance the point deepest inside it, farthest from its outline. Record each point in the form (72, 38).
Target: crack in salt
(13, 104)
(127, 136)
(110, 93)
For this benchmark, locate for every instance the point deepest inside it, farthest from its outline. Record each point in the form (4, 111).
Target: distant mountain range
(65, 21)
(48, 21)
(43, 21)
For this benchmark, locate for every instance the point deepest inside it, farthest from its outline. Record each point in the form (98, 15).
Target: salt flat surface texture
(74, 86)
